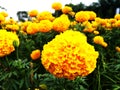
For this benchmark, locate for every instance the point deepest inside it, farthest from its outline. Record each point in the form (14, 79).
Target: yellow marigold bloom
(57, 6)
(61, 23)
(2, 18)
(35, 54)
(117, 16)
(72, 14)
(94, 24)
(117, 24)
(5, 14)
(67, 56)
(12, 27)
(33, 13)
(104, 44)
(82, 16)
(66, 9)
(24, 25)
(46, 15)
(96, 32)
(32, 28)
(92, 15)
(6, 42)
(10, 21)
(45, 26)
(100, 40)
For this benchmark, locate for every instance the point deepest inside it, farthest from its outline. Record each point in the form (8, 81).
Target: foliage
(18, 71)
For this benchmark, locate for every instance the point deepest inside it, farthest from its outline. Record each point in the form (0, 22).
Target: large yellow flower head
(6, 42)
(69, 55)
(61, 23)
(57, 6)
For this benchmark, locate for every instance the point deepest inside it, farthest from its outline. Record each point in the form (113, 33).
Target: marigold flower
(33, 13)
(57, 6)
(82, 16)
(66, 9)
(12, 27)
(46, 15)
(35, 54)
(117, 16)
(6, 42)
(100, 40)
(61, 23)
(32, 28)
(2, 18)
(92, 15)
(5, 14)
(67, 56)
(45, 26)
(117, 48)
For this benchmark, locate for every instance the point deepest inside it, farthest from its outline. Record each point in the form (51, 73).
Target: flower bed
(60, 51)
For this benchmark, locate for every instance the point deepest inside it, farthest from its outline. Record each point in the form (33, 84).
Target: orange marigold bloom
(12, 27)
(6, 42)
(66, 56)
(57, 6)
(33, 13)
(32, 28)
(35, 54)
(117, 16)
(2, 18)
(61, 23)
(100, 40)
(82, 16)
(46, 15)
(5, 14)
(66, 9)
(92, 15)
(45, 26)
(117, 48)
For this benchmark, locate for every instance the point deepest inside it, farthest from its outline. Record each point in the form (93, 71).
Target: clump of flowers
(6, 42)
(69, 55)
(35, 54)
(61, 23)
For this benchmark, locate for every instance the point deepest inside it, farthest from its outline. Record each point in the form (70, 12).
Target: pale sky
(13, 6)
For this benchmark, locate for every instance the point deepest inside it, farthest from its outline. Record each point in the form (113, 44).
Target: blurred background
(103, 8)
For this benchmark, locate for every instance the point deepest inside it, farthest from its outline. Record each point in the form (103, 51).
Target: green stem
(17, 55)
(99, 81)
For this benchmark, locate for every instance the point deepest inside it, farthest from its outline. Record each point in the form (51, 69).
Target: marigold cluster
(69, 55)
(6, 42)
